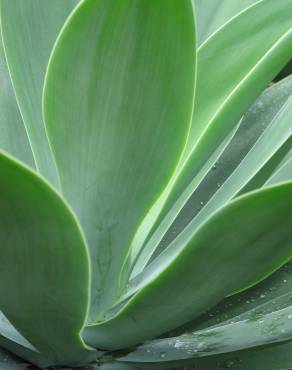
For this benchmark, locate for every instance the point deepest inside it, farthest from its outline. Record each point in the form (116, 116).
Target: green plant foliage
(13, 136)
(132, 162)
(211, 14)
(27, 59)
(145, 184)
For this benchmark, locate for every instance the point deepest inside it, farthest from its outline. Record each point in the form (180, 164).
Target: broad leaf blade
(30, 29)
(44, 267)
(125, 136)
(246, 233)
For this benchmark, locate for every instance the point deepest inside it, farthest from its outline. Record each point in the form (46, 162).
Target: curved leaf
(125, 136)
(267, 329)
(270, 296)
(277, 133)
(258, 146)
(42, 250)
(252, 126)
(256, 45)
(212, 15)
(15, 343)
(246, 233)
(29, 29)
(13, 137)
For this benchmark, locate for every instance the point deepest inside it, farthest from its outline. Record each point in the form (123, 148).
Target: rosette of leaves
(145, 185)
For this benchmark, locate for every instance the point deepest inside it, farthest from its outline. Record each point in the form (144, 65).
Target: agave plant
(145, 184)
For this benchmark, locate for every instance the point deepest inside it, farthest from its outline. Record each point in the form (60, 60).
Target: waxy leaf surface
(44, 265)
(30, 29)
(118, 103)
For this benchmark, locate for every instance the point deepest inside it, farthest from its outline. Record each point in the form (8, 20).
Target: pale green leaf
(213, 14)
(113, 95)
(265, 329)
(252, 126)
(13, 137)
(246, 233)
(30, 29)
(256, 45)
(44, 266)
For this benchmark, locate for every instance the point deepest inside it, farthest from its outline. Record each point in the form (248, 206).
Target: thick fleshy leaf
(246, 233)
(125, 135)
(254, 305)
(275, 135)
(273, 138)
(271, 295)
(252, 126)
(44, 266)
(15, 343)
(212, 14)
(267, 329)
(256, 45)
(30, 29)
(13, 137)
(246, 164)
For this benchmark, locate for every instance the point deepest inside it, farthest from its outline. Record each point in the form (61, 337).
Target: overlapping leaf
(30, 29)
(121, 99)
(44, 266)
(269, 328)
(253, 126)
(117, 104)
(237, 241)
(263, 307)
(13, 137)
(211, 14)
(220, 101)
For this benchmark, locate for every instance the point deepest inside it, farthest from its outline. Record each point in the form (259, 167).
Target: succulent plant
(145, 184)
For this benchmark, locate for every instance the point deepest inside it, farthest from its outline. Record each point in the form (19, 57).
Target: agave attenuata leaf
(44, 266)
(253, 125)
(30, 29)
(184, 198)
(118, 113)
(175, 290)
(268, 300)
(13, 137)
(212, 15)
(220, 101)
